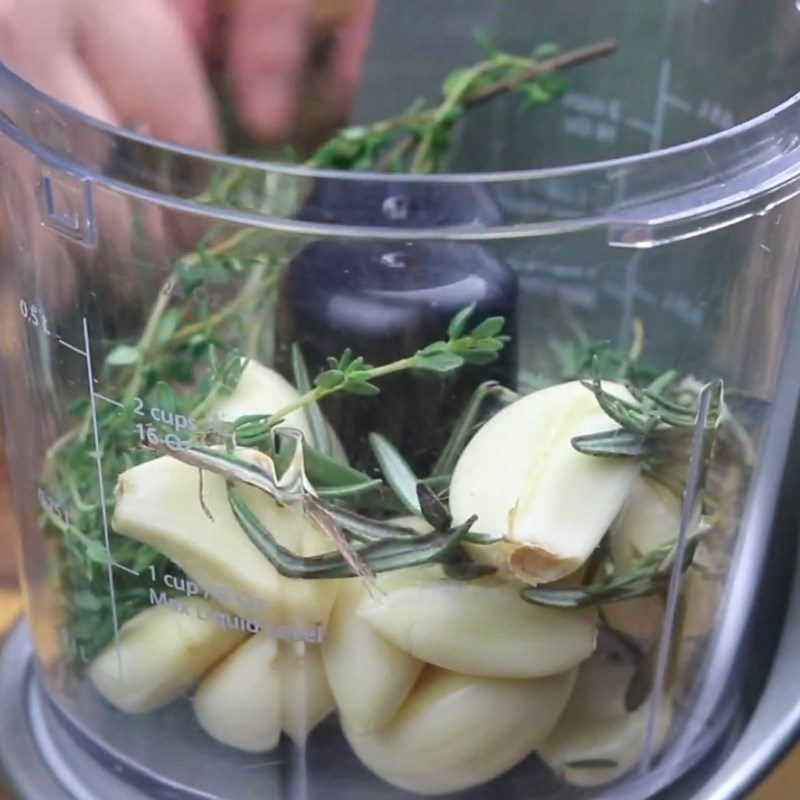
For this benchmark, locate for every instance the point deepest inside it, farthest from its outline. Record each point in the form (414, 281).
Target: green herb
(656, 424)
(653, 408)
(380, 556)
(580, 357)
(419, 139)
(352, 375)
(397, 472)
(328, 476)
(320, 434)
(365, 546)
(433, 509)
(646, 577)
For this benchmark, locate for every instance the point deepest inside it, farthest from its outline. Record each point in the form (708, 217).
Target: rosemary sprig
(646, 577)
(320, 435)
(365, 546)
(467, 424)
(397, 472)
(656, 423)
(378, 556)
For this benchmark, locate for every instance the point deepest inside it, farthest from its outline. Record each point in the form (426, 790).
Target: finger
(350, 50)
(267, 48)
(71, 83)
(142, 58)
(198, 20)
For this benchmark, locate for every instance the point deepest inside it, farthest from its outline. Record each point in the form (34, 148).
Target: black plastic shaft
(399, 204)
(385, 301)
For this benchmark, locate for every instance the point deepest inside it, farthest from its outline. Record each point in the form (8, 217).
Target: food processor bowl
(339, 484)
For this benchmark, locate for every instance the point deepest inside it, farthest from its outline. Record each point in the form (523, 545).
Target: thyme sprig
(351, 374)
(419, 139)
(415, 141)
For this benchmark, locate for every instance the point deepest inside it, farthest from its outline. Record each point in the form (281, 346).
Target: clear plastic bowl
(642, 225)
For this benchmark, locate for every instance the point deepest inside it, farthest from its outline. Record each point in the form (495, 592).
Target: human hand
(127, 63)
(142, 63)
(267, 49)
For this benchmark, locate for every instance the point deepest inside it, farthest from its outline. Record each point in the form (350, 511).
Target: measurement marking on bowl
(661, 104)
(101, 487)
(36, 316)
(85, 353)
(639, 125)
(71, 347)
(108, 399)
(679, 103)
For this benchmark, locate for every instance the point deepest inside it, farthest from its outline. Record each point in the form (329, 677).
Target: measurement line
(72, 347)
(661, 105)
(678, 102)
(125, 569)
(639, 124)
(99, 463)
(108, 400)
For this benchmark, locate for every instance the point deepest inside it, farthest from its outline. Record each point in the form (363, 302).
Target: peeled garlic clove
(239, 701)
(158, 503)
(525, 481)
(306, 698)
(160, 654)
(369, 676)
(650, 519)
(264, 687)
(640, 618)
(456, 731)
(597, 740)
(478, 627)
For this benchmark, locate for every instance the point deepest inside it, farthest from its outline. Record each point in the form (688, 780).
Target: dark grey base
(39, 757)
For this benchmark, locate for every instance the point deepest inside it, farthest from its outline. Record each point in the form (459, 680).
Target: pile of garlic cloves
(439, 684)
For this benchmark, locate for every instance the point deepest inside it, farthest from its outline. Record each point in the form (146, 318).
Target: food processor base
(40, 758)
